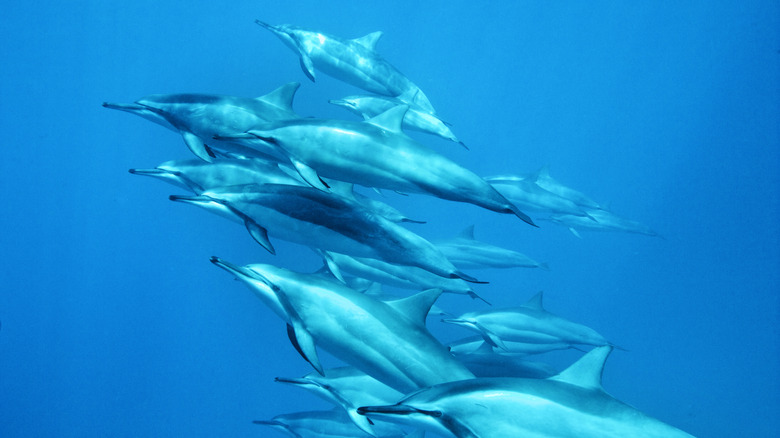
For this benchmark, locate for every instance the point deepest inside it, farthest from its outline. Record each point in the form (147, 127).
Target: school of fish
(287, 177)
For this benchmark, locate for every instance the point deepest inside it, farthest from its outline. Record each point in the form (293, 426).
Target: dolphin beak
(149, 172)
(236, 270)
(342, 102)
(265, 25)
(129, 107)
(293, 381)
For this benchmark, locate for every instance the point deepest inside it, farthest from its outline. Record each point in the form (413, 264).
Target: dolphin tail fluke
(544, 266)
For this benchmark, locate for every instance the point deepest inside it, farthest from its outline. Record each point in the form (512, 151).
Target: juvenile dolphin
(415, 119)
(386, 340)
(528, 195)
(348, 388)
(604, 220)
(570, 404)
(310, 217)
(406, 277)
(466, 252)
(376, 153)
(528, 323)
(354, 61)
(329, 424)
(200, 117)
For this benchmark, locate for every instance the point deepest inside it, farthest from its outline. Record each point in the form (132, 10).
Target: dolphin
(416, 119)
(329, 424)
(386, 340)
(406, 277)
(477, 344)
(200, 117)
(530, 196)
(604, 220)
(354, 61)
(376, 153)
(570, 404)
(543, 179)
(348, 388)
(466, 252)
(199, 176)
(528, 323)
(310, 217)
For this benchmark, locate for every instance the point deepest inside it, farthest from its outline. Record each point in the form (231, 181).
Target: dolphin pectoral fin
(304, 343)
(491, 338)
(333, 267)
(307, 66)
(197, 146)
(310, 175)
(361, 421)
(260, 234)
(575, 232)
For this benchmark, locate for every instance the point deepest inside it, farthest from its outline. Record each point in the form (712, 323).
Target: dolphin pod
(294, 178)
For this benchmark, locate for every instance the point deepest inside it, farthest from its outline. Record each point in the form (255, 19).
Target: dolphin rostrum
(354, 61)
(570, 404)
(386, 340)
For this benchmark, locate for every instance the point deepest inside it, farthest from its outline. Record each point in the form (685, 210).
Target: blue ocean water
(114, 323)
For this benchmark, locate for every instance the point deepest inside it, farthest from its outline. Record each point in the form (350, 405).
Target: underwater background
(114, 323)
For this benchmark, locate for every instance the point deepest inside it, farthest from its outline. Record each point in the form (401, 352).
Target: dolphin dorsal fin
(586, 372)
(543, 173)
(535, 302)
(369, 41)
(282, 97)
(391, 119)
(417, 306)
(467, 233)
